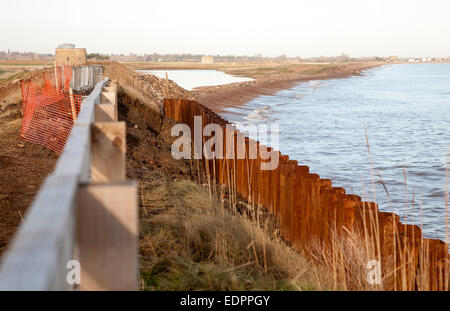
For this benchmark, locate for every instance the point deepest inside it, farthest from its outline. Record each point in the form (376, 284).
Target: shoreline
(218, 98)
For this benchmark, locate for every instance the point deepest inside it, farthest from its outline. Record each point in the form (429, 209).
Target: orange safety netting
(49, 113)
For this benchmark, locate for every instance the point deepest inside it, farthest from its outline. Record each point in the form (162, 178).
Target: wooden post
(314, 209)
(105, 112)
(72, 106)
(110, 97)
(167, 84)
(107, 236)
(299, 206)
(56, 77)
(275, 187)
(108, 145)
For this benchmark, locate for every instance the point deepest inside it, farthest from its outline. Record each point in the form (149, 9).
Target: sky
(302, 28)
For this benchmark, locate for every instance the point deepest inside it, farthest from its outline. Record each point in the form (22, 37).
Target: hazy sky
(295, 28)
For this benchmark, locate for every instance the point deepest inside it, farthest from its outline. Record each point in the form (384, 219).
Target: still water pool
(190, 79)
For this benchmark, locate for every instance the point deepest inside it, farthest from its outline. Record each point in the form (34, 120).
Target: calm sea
(405, 110)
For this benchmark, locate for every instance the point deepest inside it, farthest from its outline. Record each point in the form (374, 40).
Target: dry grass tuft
(188, 243)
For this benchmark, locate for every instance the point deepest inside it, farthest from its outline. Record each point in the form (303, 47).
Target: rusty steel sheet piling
(312, 212)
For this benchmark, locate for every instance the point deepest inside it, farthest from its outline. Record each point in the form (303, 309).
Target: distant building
(393, 59)
(67, 54)
(207, 59)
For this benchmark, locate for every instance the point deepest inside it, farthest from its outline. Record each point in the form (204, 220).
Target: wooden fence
(311, 211)
(86, 211)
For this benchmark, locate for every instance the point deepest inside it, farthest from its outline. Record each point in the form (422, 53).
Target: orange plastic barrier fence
(311, 211)
(49, 113)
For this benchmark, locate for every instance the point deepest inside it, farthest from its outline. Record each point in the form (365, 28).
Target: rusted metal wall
(311, 211)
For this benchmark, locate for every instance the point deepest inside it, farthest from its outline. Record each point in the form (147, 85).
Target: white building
(207, 59)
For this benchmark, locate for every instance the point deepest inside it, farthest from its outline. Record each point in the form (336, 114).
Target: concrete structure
(85, 77)
(207, 59)
(67, 54)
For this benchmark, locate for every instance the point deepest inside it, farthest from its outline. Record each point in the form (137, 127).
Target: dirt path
(23, 168)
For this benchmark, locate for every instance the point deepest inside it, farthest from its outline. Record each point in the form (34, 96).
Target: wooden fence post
(106, 112)
(108, 145)
(110, 97)
(107, 236)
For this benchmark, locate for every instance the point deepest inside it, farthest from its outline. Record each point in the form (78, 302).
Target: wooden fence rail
(85, 212)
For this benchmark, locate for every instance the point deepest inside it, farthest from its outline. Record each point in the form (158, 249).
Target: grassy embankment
(10, 75)
(190, 242)
(12, 70)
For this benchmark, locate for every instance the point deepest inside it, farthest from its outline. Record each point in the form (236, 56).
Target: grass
(4, 71)
(261, 71)
(189, 242)
(319, 69)
(252, 69)
(16, 75)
